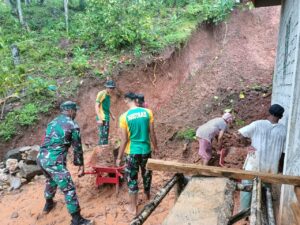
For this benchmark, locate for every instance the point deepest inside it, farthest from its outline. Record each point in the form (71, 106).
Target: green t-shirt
(103, 98)
(137, 123)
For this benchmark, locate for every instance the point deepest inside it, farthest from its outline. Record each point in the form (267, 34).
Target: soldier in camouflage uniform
(61, 133)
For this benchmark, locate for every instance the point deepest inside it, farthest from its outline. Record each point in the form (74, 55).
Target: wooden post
(149, 208)
(176, 167)
(271, 218)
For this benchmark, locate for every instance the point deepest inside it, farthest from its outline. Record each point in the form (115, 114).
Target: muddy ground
(210, 73)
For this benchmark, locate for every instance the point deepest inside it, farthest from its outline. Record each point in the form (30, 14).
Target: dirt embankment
(191, 86)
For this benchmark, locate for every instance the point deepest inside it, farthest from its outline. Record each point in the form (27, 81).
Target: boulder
(15, 182)
(29, 171)
(12, 165)
(13, 154)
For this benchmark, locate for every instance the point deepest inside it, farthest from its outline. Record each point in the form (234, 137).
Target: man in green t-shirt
(103, 111)
(137, 129)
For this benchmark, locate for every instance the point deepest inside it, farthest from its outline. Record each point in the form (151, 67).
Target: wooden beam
(177, 167)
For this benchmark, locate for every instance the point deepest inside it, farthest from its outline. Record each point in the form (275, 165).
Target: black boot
(50, 204)
(77, 219)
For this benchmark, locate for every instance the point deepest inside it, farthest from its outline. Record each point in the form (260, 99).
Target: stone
(24, 149)
(15, 182)
(29, 171)
(14, 215)
(12, 165)
(13, 154)
(4, 178)
(31, 156)
(2, 165)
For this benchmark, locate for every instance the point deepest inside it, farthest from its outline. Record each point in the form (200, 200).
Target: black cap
(140, 98)
(130, 95)
(276, 110)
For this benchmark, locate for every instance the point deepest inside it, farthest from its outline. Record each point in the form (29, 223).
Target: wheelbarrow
(107, 175)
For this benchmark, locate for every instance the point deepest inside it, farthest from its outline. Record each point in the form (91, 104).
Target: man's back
(211, 128)
(137, 122)
(60, 134)
(268, 139)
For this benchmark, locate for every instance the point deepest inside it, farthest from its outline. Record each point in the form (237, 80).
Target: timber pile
(203, 202)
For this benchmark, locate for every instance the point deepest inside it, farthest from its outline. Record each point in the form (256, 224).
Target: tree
(66, 15)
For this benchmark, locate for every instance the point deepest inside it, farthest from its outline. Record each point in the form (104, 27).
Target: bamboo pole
(271, 219)
(259, 203)
(150, 207)
(241, 215)
(253, 214)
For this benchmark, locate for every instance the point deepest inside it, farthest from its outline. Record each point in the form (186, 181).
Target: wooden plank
(176, 167)
(200, 203)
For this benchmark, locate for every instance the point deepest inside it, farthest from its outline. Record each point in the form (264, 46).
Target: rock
(29, 171)
(12, 165)
(14, 215)
(31, 156)
(23, 181)
(15, 182)
(2, 165)
(13, 154)
(4, 178)
(24, 149)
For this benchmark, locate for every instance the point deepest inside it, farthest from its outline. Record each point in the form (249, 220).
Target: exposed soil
(189, 87)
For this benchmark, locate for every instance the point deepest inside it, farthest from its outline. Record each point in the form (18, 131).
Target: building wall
(286, 91)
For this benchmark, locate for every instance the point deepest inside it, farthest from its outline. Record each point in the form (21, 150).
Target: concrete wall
(286, 91)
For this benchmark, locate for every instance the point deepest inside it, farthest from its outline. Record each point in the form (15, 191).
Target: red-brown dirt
(184, 88)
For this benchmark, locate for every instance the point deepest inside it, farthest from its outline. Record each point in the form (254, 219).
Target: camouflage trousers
(59, 176)
(133, 163)
(103, 131)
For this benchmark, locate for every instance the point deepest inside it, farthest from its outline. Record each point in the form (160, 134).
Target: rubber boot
(77, 219)
(50, 204)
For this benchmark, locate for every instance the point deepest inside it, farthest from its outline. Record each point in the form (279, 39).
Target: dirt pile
(209, 74)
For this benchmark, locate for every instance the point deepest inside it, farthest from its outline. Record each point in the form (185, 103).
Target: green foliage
(186, 134)
(25, 116)
(101, 33)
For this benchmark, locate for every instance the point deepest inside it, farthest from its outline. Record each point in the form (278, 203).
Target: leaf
(242, 96)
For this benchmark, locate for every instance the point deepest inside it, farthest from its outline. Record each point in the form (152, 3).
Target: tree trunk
(20, 13)
(66, 15)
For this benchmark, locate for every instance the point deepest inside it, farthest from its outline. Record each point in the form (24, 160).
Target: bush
(186, 134)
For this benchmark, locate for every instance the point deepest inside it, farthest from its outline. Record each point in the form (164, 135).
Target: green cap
(69, 105)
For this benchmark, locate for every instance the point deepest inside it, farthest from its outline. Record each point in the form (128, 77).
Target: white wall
(286, 92)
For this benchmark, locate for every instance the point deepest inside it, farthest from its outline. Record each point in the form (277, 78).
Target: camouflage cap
(110, 84)
(69, 105)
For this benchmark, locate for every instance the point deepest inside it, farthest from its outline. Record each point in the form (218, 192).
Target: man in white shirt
(267, 145)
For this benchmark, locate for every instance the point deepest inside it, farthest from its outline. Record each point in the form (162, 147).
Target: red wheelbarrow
(107, 175)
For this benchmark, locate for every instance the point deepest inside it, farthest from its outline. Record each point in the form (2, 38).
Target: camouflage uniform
(61, 133)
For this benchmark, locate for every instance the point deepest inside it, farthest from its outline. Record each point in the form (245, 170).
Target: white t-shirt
(211, 128)
(269, 140)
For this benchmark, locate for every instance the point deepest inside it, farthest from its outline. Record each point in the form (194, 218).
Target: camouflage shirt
(61, 133)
